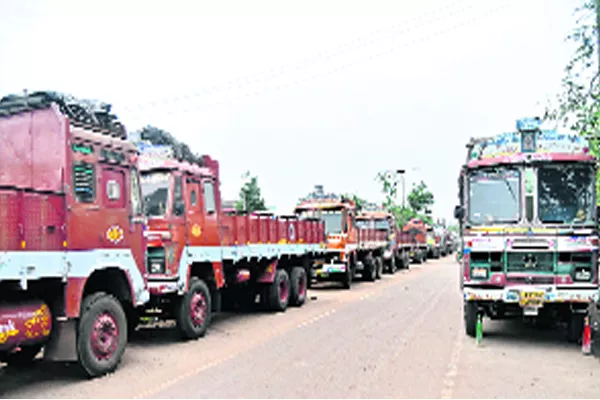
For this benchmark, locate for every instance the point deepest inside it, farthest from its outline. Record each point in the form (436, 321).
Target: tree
(250, 196)
(420, 199)
(359, 201)
(577, 106)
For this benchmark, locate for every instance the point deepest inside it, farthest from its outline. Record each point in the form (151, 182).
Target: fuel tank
(24, 323)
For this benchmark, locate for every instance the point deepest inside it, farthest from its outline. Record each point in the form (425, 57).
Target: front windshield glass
(566, 194)
(155, 189)
(382, 224)
(363, 223)
(333, 221)
(494, 196)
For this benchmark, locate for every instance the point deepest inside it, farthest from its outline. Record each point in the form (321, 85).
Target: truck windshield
(333, 221)
(363, 223)
(382, 224)
(566, 194)
(155, 189)
(494, 196)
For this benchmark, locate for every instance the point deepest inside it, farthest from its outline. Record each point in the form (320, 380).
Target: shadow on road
(519, 333)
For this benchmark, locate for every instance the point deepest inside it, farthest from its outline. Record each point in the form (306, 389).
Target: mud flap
(62, 345)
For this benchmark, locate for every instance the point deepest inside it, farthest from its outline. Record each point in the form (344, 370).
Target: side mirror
(459, 212)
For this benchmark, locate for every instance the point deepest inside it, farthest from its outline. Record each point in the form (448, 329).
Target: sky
(306, 92)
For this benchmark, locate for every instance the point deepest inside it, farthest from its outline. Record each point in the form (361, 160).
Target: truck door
(178, 226)
(195, 224)
(211, 236)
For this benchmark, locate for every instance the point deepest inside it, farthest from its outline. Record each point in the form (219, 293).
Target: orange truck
(200, 258)
(415, 233)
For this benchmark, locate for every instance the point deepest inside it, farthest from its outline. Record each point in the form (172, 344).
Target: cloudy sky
(306, 92)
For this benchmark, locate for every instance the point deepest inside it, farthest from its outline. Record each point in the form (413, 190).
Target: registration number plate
(531, 299)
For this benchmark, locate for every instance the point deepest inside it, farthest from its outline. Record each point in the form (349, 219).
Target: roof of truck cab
(148, 164)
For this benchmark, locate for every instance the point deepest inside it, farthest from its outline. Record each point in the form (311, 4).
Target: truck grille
(530, 262)
(156, 260)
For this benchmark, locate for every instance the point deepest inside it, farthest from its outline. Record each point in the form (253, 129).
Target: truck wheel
(392, 265)
(470, 317)
(278, 292)
(378, 267)
(298, 284)
(23, 358)
(348, 277)
(102, 334)
(369, 272)
(575, 328)
(193, 312)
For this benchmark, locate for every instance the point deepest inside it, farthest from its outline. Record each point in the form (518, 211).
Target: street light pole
(401, 173)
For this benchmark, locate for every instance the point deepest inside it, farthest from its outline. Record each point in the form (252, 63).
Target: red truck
(72, 248)
(200, 257)
(415, 233)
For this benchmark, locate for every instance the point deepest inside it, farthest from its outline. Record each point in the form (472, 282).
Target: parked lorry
(415, 233)
(201, 257)
(527, 219)
(339, 262)
(390, 244)
(71, 232)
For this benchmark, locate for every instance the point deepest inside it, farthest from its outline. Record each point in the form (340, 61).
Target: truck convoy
(527, 217)
(99, 229)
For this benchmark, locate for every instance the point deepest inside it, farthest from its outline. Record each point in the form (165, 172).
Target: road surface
(399, 337)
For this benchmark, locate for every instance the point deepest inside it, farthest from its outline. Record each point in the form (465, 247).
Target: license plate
(530, 311)
(531, 299)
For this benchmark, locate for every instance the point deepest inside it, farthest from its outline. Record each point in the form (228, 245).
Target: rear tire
(278, 292)
(298, 284)
(101, 334)
(392, 265)
(470, 317)
(378, 267)
(194, 310)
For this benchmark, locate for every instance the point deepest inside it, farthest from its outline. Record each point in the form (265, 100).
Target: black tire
(378, 267)
(194, 326)
(575, 328)
(101, 310)
(298, 283)
(392, 265)
(24, 358)
(348, 277)
(470, 317)
(278, 292)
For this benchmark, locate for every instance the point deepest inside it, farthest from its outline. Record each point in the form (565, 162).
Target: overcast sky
(300, 95)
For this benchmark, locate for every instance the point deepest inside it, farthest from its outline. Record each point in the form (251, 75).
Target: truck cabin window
(494, 196)
(566, 194)
(155, 190)
(334, 221)
(382, 224)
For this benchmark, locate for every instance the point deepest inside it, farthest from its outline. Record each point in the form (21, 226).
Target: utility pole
(597, 2)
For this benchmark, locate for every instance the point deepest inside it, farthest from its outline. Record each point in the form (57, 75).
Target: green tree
(250, 196)
(359, 201)
(577, 106)
(420, 199)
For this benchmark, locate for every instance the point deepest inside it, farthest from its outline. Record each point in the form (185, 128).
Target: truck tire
(575, 328)
(278, 292)
(392, 265)
(348, 277)
(298, 284)
(370, 269)
(101, 334)
(470, 316)
(25, 357)
(378, 267)
(193, 312)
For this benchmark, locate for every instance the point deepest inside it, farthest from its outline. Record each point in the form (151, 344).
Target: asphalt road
(396, 338)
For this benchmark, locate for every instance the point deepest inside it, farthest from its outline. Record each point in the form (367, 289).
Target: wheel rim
(283, 290)
(198, 308)
(105, 336)
(301, 285)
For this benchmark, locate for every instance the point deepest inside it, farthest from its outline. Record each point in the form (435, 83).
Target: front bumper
(324, 270)
(552, 295)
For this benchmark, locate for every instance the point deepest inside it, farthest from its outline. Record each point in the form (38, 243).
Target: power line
(388, 51)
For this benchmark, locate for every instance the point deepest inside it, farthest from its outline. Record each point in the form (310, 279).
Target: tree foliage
(359, 201)
(577, 106)
(250, 195)
(420, 199)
